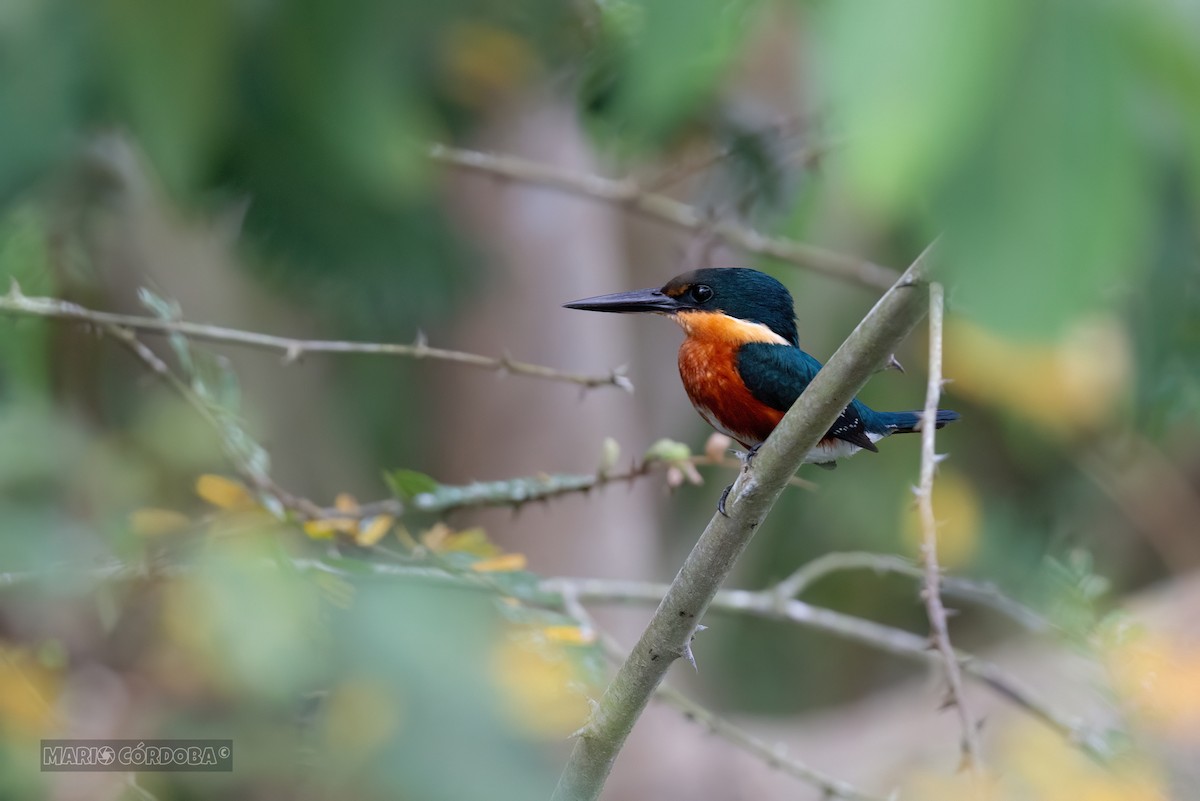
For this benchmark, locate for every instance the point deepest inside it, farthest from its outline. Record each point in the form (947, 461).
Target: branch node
(505, 364)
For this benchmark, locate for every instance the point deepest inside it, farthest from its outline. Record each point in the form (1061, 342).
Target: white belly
(836, 449)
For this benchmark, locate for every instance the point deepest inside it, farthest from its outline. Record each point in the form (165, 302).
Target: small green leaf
(408, 484)
(170, 311)
(214, 380)
(159, 306)
(667, 450)
(610, 452)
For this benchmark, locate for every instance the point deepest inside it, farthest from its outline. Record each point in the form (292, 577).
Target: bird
(741, 362)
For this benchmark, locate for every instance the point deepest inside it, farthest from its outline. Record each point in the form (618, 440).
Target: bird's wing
(777, 374)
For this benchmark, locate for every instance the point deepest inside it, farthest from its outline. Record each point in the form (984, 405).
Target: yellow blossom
(540, 687)
(482, 60)
(1068, 386)
(568, 635)
(376, 530)
(1159, 678)
(151, 522)
(224, 493)
(28, 690)
(442, 538)
(501, 564)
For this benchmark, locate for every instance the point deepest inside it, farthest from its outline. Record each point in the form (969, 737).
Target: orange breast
(708, 368)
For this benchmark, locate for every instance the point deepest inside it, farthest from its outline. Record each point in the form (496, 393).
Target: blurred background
(267, 166)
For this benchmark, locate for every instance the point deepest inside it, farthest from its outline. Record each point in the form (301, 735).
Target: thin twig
(983, 593)
(555, 592)
(783, 129)
(630, 195)
(767, 604)
(512, 492)
(260, 481)
(291, 348)
(775, 755)
(516, 492)
(931, 593)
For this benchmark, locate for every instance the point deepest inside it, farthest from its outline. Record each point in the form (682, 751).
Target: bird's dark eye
(701, 293)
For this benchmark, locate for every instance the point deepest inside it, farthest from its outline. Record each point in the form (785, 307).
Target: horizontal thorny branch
(628, 194)
(292, 348)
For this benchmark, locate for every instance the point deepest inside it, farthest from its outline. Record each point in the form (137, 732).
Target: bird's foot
(724, 497)
(748, 457)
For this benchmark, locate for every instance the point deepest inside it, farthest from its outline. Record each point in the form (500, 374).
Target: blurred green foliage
(1034, 133)
(1054, 145)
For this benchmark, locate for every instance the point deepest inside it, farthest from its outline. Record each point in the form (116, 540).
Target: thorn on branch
(620, 380)
(588, 728)
(689, 656)
(687, 648)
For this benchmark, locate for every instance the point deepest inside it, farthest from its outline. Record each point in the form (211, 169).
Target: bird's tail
(907, 422)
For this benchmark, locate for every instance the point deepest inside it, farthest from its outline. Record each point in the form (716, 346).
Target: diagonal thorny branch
(669, 633)
(774, 755)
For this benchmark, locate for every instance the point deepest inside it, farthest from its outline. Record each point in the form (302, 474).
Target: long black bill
(639, 300)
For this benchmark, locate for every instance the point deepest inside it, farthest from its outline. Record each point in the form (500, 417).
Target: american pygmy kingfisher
(741, 361)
